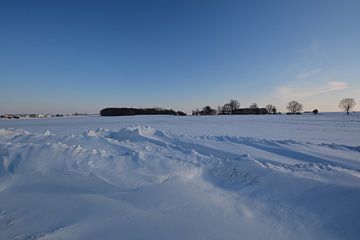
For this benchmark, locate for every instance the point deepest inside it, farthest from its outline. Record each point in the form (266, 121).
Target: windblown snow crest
(128, 157)
(152, 155)
(285, 185)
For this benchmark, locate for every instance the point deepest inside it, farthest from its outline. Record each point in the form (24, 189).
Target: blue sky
(67, 56)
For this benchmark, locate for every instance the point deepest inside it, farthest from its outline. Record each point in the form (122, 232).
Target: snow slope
(142, 183)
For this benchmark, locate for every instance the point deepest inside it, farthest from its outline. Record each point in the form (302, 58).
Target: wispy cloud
(286, 92)
(309, 73)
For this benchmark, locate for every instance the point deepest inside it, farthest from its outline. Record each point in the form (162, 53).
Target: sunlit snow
(167, 177)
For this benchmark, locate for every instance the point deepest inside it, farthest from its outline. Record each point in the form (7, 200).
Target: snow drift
(142, 183)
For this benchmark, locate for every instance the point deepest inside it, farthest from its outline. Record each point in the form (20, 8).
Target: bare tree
(294, 107)
(227, 109)
(196, 112)
(254, 106)
(271, 108)
(207, 110)
(234, 104)
(347, 104)
(274, 110)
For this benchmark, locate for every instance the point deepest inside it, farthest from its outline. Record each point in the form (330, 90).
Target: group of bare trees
(294, 107)
(233, 107)
(347, 105)
(207, 110)
(229, 108)
(271, 108)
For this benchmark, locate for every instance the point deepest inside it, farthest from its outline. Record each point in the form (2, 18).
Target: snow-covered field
(166, 177)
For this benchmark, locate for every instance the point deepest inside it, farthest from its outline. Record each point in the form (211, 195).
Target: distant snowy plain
(167, 177)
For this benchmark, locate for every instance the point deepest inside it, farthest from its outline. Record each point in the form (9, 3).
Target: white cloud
(286, 92)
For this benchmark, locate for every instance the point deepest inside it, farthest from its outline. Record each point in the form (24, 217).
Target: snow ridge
(284, 185)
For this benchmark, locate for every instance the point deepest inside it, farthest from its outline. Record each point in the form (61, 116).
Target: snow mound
(139, 178)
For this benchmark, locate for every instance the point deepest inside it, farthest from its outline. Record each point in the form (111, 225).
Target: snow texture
(139, 182)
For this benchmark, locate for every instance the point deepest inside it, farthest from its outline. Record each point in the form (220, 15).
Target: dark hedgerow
(138, 111)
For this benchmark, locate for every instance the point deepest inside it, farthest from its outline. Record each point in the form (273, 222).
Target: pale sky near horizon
(81, 56)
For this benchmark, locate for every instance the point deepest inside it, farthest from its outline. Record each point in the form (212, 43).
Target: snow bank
(142, 183)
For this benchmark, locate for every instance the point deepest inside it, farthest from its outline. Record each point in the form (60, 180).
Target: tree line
(232, 107)
(293, 107)
(139, 111)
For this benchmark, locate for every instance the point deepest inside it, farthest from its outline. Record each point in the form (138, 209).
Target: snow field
(143, 183)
